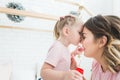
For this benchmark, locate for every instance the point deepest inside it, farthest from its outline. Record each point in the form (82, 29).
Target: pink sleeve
(54, 56)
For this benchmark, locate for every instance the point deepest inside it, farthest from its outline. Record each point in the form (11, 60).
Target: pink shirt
(59, 57)
(98, 74)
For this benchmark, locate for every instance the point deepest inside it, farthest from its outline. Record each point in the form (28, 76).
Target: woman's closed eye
(82, 36)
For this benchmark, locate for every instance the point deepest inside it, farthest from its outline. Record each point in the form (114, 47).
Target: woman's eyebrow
(83, 33)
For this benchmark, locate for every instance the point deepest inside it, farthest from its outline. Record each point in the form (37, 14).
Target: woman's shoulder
(95, 63)
(118, 76)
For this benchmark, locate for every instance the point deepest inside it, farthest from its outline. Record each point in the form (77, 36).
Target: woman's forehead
(85, 30)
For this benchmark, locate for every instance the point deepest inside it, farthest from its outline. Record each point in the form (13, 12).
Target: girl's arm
(47, 73)
(73, 65)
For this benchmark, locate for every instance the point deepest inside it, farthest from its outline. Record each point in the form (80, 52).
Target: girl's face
(74, 35)
(89, 43)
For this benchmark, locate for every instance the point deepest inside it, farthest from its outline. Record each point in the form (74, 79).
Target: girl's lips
(81, 49)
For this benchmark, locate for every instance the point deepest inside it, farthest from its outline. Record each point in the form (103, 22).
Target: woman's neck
(100, 59)
(103, 65)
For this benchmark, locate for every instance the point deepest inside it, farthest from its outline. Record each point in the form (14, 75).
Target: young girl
(58, 61)
(102, 33)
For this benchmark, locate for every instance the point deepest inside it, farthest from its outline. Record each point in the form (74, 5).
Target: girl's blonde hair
(67, 20)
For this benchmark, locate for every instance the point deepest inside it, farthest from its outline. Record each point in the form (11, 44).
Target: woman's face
(89, 43)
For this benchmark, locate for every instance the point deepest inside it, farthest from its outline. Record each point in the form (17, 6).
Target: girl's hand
(73, 75)
(73, 65)
(77, 51)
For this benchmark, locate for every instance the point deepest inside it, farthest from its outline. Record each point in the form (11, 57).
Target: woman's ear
(102, 41)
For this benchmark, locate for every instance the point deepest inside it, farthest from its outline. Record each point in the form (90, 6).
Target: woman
(101, 41)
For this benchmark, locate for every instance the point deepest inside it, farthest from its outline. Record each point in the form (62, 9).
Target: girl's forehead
(79, 24)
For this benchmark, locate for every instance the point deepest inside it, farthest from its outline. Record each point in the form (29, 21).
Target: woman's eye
(83, 37)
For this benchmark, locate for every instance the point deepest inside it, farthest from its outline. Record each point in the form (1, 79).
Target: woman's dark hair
(108, 26)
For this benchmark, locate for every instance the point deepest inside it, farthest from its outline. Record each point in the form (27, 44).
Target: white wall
(104, 7)
(27, 49)
(116, 7)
